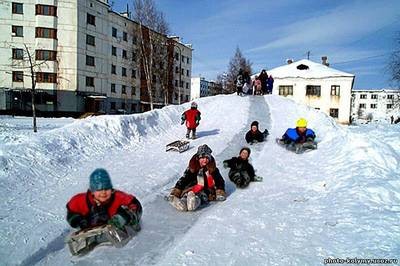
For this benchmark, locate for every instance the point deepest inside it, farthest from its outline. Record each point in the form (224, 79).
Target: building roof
(306, 69)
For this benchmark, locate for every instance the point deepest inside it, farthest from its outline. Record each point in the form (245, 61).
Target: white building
(369, 105)
(199, 88)
(88, 57)
(315, 85)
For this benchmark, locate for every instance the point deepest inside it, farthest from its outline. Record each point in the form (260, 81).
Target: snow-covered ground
(342, 200)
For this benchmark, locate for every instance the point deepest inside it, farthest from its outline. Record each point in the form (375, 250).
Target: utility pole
(308, 55)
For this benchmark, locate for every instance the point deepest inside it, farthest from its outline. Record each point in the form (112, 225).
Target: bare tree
(237, 62)
(152, 32)
(23, 59)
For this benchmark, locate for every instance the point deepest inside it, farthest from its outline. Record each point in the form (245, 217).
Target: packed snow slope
(342, 200)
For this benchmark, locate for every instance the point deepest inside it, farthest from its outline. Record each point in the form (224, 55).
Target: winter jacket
(207, 179)
(83, 211)
(237, 165)
(292, 135)
(254, 136)
(192, 117)
(270, 84)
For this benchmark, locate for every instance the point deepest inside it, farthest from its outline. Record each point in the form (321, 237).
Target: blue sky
(357, 36)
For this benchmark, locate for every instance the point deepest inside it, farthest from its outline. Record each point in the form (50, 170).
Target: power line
(361, 59)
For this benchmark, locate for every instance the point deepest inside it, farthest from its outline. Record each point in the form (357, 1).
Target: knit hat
(204, 151)
(254, 123)
(301, 122)
(100, 180)
(193, 105)
(245, 149)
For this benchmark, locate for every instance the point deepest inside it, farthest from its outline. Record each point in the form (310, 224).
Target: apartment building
(316, 85)
(369, 105)
(199, 88)
(85, 58)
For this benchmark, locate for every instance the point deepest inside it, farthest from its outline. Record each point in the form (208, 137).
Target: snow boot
(193, 202)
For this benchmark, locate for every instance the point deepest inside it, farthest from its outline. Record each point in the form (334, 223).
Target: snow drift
(342, 200)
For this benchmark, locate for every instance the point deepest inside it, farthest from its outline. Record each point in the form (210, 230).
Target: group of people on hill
(261, 85)
(200, 183)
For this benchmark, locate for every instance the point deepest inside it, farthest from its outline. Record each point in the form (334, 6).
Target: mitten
(176, 192)
(117, 221)
(258, 178)
(220, 195)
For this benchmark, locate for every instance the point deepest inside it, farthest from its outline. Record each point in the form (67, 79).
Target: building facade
(85, 58)
(369, 105)
(316, 85)
(199, 88)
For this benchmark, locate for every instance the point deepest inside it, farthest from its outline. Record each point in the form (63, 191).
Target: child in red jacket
(101, 204)
(192, 117)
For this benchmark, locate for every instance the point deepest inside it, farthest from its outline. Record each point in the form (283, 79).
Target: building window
(363, 96)
(18, 76)
(112, 87)
(373, 105)
(362, 105)
(181, 84)
(90, 40)
(154, 78)
(113, 69)
(389, 106)
(335, 90)
(123, 106)
(89, 81)
(90, 19)
(17, 54)
(114, 50)
(112, 105)
(187, 72)
(45, 77)
(285, 90)
(133, 91)
(114, 32)
(187, 98)
(134, 56)
(313, 90)
(334, 112)
(124, 72)
(124, 54)
(46, 33)
(125, 36)
(183, 58)
(176, 96)
(17, 8)
(182, 71)
(374, 96)
(17, 31)
(176, 83)
(390, 96)
(133, 73)
(187, 60)
(133, 107)
(89, 60)
(123, 90)
(46, 10)
(134, 40)
(46, 55)
(176, 69)
(187, 85)
(176, 56)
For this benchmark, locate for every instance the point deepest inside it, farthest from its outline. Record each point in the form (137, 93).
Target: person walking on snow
(192, 118)
(102, 204)
(201, 182)
(239, 82)
(241, 171)
(270, 84)
(254, 135)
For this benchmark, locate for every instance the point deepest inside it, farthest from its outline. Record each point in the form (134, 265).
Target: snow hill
(342, 200)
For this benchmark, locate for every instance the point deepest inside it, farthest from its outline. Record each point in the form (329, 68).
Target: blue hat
(100, 180)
